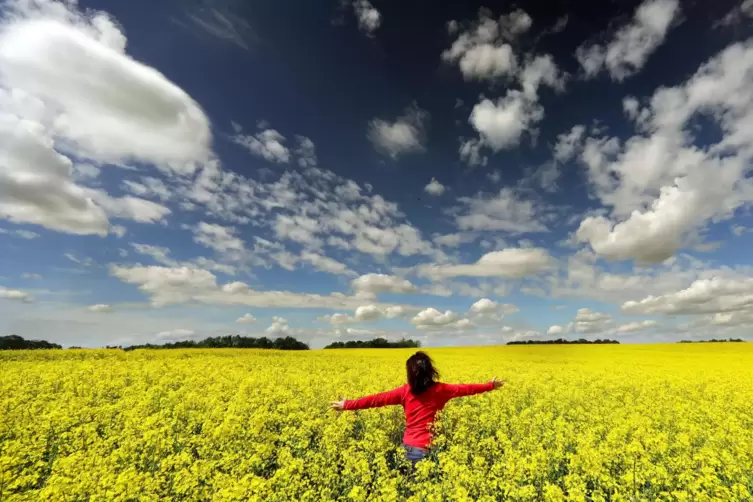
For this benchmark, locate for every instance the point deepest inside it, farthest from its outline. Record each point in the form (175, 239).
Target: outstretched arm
(451, 391)
(394, 396)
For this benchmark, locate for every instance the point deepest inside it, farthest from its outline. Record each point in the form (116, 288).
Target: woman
(422, 397)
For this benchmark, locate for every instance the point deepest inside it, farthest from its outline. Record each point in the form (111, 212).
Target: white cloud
(540, 69)
(159, 253)
(149, 187)
(62, 57)
(50, 197)
(27, 275)
(569, 144)
(470, 152)
(502, 124)
(511, 262)
(555, 330)
(369, 18)
(128, 207)
(220, 238)
(85, 171)
(368, 313)
(24, 234)
(306, 152)
(14, 294)
(394, 312)
(737, 14)
(326, 264)
(485, 306)
(53, 108)
(371, 284)
(432, 319)
(99, 308)
(505, 211)
(267, 144)
(588, 321)
(663, 190)
(405, 135)
(174, 285)
(454, 240)
(224, 25)
(246, 319)
(434, 188)
(175, 335)
(279, 327)
(482, 52)
(633, 327)
(703, 296)
(632, 45)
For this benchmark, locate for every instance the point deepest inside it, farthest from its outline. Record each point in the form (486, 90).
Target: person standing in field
(422, 397)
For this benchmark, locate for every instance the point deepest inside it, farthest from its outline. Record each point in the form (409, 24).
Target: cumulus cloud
(511, 262)
(471, 152)
(588, 321)
(185, 284)
(703, 296)
(632, 44)
(505, 211)
(482, 52)
(246, 319)
(267, 144)
(14, 294)
(633, 327)
(555, 330)
(434, 188)
(485, 306)
(176, 335)
(432, 319)
(663, 189)
(568, 144)
(53, 109)
(737, 14)
(101, 308)
(502, 123)
(61, 57)
(326, 264)
(368, 313)
(220, 238)
(368, 16)
(406, 135)
(371, 284)
(279, 327)
(306, 152)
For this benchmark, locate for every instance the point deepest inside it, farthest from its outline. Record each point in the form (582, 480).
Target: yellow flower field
(597, 423)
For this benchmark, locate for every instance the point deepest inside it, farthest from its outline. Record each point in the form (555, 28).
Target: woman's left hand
(337, 405)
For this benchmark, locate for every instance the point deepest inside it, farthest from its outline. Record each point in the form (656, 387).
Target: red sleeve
(394, 396)
(450, 391)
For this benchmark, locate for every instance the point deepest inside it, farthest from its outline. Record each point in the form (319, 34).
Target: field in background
(658, 422)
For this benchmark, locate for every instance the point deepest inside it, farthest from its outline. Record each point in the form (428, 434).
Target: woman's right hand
(497, 383)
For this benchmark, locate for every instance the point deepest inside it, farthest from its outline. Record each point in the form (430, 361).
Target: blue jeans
(414, 454)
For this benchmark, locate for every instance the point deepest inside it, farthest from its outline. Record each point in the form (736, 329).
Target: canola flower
(573, 423)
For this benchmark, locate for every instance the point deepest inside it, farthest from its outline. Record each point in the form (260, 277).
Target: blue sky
(461, 175)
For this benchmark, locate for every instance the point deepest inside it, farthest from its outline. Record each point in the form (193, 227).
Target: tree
(376, 343)
(15, 342)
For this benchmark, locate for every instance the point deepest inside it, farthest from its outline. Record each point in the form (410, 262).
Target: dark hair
(421, 372)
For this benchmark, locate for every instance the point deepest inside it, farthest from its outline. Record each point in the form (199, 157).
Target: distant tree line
(562, 341)
(15, 342)
(376, 343)
(737, 340)
(229, 341)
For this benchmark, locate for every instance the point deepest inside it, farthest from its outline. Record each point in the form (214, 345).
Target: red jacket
(419, 410)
